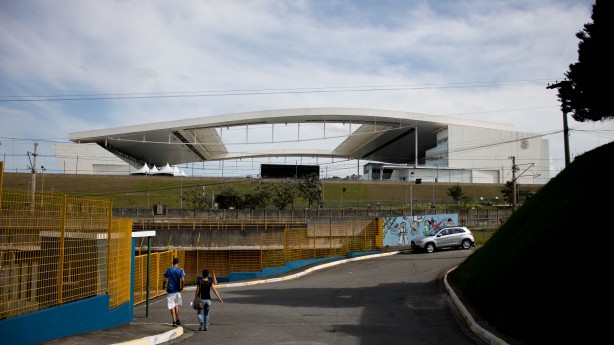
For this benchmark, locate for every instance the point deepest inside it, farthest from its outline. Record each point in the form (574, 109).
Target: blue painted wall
(290, 266)
(83, 316)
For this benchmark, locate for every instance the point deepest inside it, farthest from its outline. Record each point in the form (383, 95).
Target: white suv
(455, 236)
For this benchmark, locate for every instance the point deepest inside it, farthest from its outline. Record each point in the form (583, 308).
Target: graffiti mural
(399, 231)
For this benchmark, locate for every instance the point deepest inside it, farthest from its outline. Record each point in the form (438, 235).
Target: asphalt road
(395, 299)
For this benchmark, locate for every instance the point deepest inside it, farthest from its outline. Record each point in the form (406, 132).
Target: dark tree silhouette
(585, 92)
(229, 197)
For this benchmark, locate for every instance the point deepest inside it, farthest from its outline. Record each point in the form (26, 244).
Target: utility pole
(564, 108)
(514, 168)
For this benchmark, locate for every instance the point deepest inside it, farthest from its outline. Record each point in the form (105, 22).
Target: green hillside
(542, 277)
(144, 191)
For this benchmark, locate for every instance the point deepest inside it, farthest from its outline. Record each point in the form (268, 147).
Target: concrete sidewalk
(155, 329)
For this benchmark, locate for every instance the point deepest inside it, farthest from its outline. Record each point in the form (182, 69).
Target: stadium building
(385, 144)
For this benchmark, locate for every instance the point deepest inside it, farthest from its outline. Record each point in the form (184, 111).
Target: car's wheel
(466, 244)
(430, 247)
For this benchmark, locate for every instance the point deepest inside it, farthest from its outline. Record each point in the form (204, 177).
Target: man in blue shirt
(174, 278)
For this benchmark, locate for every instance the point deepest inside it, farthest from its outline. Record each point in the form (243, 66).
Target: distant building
(90, 159)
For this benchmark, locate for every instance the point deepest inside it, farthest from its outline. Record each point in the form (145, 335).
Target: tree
(196, 198)
(260, 196)
(508, 192)
(283, 194)
(457, 194)
(585, 93)
(229, 197)
(310, 189)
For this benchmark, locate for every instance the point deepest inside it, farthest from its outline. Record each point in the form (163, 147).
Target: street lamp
(411, 194)
(204, 203)
(43, 184)
(436, 180)
(406, 190)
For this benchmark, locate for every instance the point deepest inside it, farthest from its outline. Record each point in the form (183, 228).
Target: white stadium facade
(387, 145)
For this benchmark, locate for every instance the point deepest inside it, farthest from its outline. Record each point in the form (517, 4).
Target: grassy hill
(543, 277)
(141, 191)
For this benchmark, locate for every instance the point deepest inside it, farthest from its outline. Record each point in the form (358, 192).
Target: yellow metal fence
(57, 248)
(246, 248)
(158, 264)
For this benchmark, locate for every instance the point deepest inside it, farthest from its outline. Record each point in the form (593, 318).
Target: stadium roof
(375, 135)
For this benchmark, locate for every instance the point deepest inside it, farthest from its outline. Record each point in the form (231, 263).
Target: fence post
(61, 261)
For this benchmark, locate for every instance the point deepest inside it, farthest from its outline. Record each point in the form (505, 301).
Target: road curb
(305, 272)
(156, 339)
(475, 327)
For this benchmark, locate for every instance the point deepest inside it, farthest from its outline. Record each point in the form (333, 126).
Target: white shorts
(173, 300)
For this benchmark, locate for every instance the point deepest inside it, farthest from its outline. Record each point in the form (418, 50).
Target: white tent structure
(166, 170)
(143, 171)
(178, 172)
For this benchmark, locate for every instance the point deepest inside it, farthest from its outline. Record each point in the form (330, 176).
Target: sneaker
(206, 328)
(178, 323)
(201, 327)
(174, 324)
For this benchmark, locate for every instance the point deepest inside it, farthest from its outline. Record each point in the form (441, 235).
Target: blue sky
(474, 59)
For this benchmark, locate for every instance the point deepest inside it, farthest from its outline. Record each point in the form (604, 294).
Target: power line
(332, 89)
